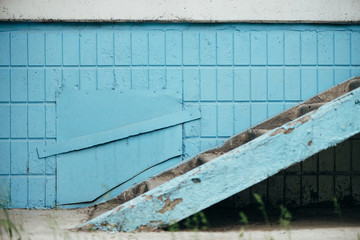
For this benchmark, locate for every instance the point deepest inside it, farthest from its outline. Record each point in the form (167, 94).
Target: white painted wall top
(346, 11)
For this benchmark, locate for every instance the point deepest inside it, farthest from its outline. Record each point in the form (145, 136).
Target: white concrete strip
(56, 224)
(317, 11)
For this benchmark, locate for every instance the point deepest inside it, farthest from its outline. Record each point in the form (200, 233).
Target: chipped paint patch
(281, 130)
(170, 205)
(307, 117)
(150, 226)
(148, 197)
(119, 208)
(289, 127)
(302, 119)
(289, 130)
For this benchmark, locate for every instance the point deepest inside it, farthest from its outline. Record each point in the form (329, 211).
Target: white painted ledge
(306, 11)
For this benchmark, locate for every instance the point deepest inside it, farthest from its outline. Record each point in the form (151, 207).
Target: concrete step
(354, 84)
(305, 108)
(257, 132)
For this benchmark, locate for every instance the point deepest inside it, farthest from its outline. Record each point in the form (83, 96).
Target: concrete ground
(307, 224)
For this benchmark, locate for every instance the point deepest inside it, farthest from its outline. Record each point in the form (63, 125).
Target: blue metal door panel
(87, 174)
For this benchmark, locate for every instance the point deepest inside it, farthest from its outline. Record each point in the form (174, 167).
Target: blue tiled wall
(239, 75)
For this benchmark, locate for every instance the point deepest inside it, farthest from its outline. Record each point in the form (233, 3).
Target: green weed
(244, 220)
(285, 219)
(8, 229)
(262, 207)
(196, 222)
(174, 227)
(337, 209)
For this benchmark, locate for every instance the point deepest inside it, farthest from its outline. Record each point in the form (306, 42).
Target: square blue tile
(156, 48)
(191, 48)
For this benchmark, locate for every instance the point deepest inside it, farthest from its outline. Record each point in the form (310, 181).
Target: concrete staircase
(242, 161)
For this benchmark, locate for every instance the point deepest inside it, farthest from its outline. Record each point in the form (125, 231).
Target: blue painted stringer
(239, 168)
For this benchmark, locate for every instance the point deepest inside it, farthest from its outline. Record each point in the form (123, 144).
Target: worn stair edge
(238, 169)
(305, 108)
(233, 142)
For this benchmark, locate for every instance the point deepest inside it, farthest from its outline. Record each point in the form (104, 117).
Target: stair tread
(308, 107)
(355, 83)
